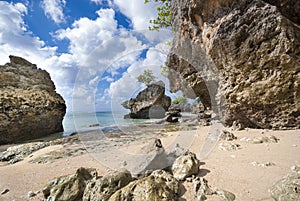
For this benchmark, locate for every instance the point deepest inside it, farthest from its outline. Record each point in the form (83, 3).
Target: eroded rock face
(160, 185)
(288, 188)
(240, 57)
(149, 103)
(29, 106)
(101, 189)
(70, 187)
(185, 166)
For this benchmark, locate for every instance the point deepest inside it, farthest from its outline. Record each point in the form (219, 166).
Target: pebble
(245, 139)
(31, 194)
(5, 191)
(294, 145)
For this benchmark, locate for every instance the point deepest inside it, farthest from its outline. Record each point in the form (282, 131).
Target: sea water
(81, 121)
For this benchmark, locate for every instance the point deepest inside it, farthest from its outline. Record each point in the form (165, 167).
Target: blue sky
(93, 49)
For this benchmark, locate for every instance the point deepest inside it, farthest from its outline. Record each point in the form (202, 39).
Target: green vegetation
(178, 100)
(147, 77)
(164, 15)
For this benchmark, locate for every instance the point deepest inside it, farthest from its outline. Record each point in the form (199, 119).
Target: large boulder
(288, 188)
(160, 185)
(29, 107)
(241, 57)
(102, 189)
(185, 166)
(149, 103)
(70, 187)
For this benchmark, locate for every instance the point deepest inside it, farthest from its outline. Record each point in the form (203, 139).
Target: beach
(249, 171)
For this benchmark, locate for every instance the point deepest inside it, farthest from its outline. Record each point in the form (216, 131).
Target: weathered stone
(269, 139)
(160, 185)
(19, 152)
(102, 189)
(201, 189)
(30, 107)
(227, 136)
(287, 188)
(149, 103)
(185, 166)
(240, 57)
(226, 146)
(70, 187)
(225, 195)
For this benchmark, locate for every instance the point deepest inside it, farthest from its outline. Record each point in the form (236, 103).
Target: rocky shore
(230, 172)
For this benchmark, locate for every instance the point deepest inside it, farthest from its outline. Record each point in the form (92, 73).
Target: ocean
(81, 122)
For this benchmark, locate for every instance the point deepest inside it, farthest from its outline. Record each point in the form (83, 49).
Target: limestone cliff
(29, 106)
(241, 57)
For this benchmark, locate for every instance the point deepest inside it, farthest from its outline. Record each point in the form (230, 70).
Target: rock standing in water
(29, 106)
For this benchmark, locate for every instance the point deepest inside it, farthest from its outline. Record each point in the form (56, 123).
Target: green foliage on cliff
(147, 77)
(178, 100)
(164, 15)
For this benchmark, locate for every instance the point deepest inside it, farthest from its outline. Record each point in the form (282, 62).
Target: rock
(171, 119)
(70, 187)
(102, 189)
(185, 166)
(267, 164)
(19, 152)
(160, 185)
(288, 188)
(226, 146)
(240, 57)
(149, 103)
(153, 157)
(269, 139)
(5, 191)
(225, 195)
(227, 136)
(201, 188)
(31, 194)
(30, 107)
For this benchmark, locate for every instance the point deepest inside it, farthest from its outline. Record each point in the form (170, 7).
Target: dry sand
(227, 170)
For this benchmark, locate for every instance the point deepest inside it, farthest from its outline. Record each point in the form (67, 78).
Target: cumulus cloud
(15, 38)
(138, 12)
(53, 9)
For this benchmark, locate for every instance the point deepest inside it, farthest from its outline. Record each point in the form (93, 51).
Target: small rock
(5, 191)
(31, 194)
(267, 164)
(227, 136)
(225, 146)
(201, 188)
(185, 166)
(245, 139)
(226, 195)
(268, 139)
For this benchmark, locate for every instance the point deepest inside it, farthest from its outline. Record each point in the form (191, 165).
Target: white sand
(230, 171)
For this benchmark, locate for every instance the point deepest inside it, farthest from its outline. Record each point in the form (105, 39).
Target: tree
(179, 99)
(147, 77)
(164, 15)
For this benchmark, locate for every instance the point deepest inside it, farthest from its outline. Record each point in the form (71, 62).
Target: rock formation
(149, 103)
(29, 106)
(242, 58)
(288, 188)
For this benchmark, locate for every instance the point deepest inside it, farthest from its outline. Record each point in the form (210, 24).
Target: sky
(93, 49)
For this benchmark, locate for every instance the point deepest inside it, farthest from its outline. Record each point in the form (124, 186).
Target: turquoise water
(80, 122)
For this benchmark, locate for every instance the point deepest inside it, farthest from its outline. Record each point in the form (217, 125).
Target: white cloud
(53, 9)
(138, 12)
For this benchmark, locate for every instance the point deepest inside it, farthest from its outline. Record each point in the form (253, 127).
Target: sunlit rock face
(241, 57)
(29, 106)
(149, 103)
